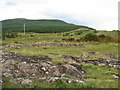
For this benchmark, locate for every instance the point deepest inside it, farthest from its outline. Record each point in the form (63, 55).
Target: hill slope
(41, 26)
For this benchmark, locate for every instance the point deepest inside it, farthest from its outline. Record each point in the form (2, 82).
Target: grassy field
(97, 76)
(102, 48)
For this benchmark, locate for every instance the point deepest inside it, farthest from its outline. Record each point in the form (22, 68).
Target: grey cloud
(10, 3)
(68, 18)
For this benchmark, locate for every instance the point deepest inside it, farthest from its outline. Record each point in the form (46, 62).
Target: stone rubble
(99, 62)
(26, 82)
(22, 69)
(116, 76)
(63, 79)
(39, 45)
(103, 62)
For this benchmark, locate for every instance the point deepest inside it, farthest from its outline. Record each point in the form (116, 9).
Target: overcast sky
(99, 14)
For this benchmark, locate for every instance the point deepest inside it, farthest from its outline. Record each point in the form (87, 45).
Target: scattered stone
(1, 82)
(26, 82)
(63, 79)
(72, 70)
(77, 59)
(92, 53)
(17, 46)
(17, 80)
(104, 62)
(115, 76)
(25, 59)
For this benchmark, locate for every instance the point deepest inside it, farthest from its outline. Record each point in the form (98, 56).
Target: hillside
(83, 34)
(39, 26)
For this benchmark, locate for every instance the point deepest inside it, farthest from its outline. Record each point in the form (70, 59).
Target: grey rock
(26, 82)
(115, 76)
(63, 79)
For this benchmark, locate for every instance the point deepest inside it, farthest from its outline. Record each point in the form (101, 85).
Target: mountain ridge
(39, 25)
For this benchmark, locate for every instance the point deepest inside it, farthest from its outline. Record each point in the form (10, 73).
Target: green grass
(50, 37)
(37, 38)
(60, 84)
(102, 76)
(109, 33)
(38, 84)
(106, 48)
(8, 84)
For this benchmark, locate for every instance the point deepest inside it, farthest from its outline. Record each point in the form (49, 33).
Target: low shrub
(65, 34)
(90, 37)
(32, 35)
(68, 39)
(9, 35)
(78, 33)
(16, 42)
(63, 38)
(95, 31)
(102, 36)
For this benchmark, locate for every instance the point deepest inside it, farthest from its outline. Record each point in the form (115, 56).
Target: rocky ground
(18, 67)
(23, 69)
(40, 44)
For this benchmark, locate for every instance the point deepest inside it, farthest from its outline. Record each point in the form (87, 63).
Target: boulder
(71, 69)
(26, 82)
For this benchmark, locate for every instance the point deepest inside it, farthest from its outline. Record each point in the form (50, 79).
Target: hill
(39, 26)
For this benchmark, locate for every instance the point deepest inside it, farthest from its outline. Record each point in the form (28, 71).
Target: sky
(98, 14)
